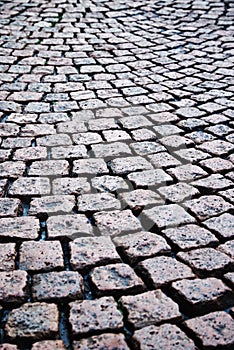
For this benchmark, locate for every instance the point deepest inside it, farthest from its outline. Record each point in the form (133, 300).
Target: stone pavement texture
(116, 174)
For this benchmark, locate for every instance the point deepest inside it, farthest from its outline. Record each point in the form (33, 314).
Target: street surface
(116, 175)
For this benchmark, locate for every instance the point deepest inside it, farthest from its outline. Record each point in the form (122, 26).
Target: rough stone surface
(33, 321)
(149, 308)
(71, 226)
(104, 341)
(42, 255)
(141, 245)
(13, 286)
(213, 330)
(166, 336)
(92, 315)
(202, 295)
(115, 279)
(57, 286)
(207, 261)
(88, 252)
(162, 270)
(117, 222)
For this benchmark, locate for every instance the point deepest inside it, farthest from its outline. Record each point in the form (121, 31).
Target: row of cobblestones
(116, 175)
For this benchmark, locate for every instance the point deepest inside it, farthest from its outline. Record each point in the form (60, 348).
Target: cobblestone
(33, 320)
(89, 252)
(199, 296)
(149, 308)
(206, 261)
(57, 286)
(116, 174)
(13, 286)
(166, 336)
(109, 341)
(115, 279)
(92, 315)
(213, 330)
(161, 270)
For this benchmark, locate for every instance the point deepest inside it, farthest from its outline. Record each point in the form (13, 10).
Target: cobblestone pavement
(116, 174)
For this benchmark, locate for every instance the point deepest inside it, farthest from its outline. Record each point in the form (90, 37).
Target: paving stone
(228, 194)
(52, 205)
(33, 186)
(70, 127)
(141, 245)
(30, 153)
(69, 152)
(175, 142)
(95, 315)
(190, 236)
(165, 216)
(187, 172)
(7, 256)
(178, 192)
(10, 207)
(66, 185)
(140, 198)
(227, 248)
(102, 124)
(162, 270)
(166, 336)
(13, 286)
(104, 341)
(57, 286)
(149, 308)
(207, 206)
(89, 252)
(115, 279)
(109, 150)
(167, 130)
(217, 147)
(9, 129)
(54, 140)
(70, 226)
(146, 147)
(143, 134)
(16, 142)
(19, 228)
(97, 202)
(150, 178)
(12, 169)
(87, 138)
(217, 164)
(129, 164)
(213, 183)
(207, 261)
(214, 330)
(163, 160)
(115, 135)
(191, 155)
(40, 256)
(49, 167)
(134, 122)
(33, 321)
(90, 166)
(49, 345)
(223, 225)
(190, 112)
(109, 183)
(202, 295)
(117, 222)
